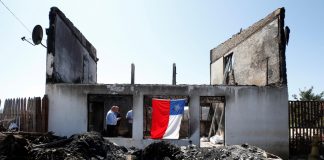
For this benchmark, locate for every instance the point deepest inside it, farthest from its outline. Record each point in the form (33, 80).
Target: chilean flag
(166, 118)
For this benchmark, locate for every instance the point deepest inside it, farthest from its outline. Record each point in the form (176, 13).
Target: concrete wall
(217, 71)
(70, 56)
(258, 54)
(258, 116)
(67, 113)
(254, 115)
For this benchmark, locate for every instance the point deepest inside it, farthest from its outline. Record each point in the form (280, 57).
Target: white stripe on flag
(173, 129)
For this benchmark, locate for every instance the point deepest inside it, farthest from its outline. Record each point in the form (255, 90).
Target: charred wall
(71, 58)
(257, 55)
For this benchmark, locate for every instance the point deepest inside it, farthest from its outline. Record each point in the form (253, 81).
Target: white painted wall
(67, 112)
(258, 116)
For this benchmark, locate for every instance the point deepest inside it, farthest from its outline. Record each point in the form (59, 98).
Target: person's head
(115, 108)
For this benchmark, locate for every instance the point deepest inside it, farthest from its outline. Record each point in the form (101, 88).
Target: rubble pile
(81, 146)
(162, 150)
(13, 147)
(47, 146)
(93, 146)
(243, 151)
(165, 151)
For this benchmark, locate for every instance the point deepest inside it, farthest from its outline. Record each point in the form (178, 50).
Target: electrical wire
(16, 17)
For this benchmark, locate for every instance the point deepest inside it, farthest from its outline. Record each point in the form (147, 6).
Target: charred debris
(92, 146)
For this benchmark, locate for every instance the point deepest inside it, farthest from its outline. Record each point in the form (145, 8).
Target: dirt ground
(92, 146)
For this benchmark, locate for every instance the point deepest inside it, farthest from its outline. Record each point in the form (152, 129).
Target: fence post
(15, 110)
(5, 112)
(34, 114)
(9, 110)
(45, 107)
(22, 117)
(43, 114)
(28, 115)
(14, 106)
(18, 113)
(38, 114)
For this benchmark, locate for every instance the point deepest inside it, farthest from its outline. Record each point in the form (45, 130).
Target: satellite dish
(37, 34)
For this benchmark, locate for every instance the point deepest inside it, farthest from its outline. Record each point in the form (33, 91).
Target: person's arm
(127, 115)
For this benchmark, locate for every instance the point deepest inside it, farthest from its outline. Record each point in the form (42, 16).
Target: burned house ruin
(248, 78)
(254, 56)
(71, 58)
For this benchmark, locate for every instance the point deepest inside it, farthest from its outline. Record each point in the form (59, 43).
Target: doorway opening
(212, 121)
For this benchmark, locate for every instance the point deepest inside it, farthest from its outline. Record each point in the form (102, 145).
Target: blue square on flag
(177, 106)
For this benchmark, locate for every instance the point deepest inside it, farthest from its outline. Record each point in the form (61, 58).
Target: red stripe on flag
(160, 117)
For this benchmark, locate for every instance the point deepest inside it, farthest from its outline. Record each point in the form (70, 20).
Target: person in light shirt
(111, 121)
(129, 117)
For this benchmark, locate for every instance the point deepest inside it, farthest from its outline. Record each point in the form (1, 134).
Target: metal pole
(132, 73)
(174, 74)
(267, 71)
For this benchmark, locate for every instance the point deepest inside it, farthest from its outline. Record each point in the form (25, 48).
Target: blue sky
(154, 35)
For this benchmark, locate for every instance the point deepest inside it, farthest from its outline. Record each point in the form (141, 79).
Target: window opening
(185, 121)
(98, 108)
(228, 70)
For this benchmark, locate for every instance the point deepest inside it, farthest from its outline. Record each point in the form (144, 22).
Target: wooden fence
(306, 119)
(30, 114)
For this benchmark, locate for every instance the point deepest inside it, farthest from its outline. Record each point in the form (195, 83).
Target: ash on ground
(92, 146)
